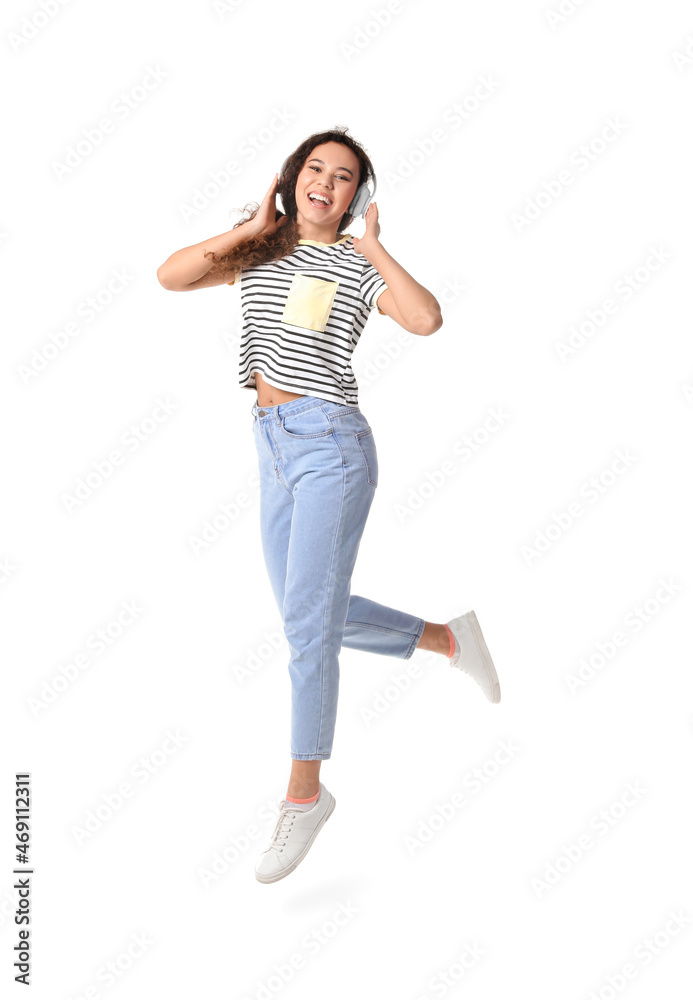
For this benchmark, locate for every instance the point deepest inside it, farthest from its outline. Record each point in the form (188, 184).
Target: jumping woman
(307, 289)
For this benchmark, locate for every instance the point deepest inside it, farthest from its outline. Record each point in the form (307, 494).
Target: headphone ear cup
(361, 201)
(279, 180)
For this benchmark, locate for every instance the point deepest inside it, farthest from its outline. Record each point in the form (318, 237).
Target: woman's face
(327, 184)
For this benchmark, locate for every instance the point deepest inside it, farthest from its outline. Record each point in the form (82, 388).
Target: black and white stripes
(312, 353)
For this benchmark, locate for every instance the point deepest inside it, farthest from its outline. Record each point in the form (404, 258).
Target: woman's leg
(276, 509)
(435, 638)
(304, 780)
(370, 626)
(314, 503)
(316, 493)
(377, 628)
(331, 505)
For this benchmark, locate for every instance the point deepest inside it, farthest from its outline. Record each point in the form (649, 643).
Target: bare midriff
(269, 395)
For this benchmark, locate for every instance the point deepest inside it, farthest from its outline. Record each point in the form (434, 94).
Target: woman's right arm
(188, 268)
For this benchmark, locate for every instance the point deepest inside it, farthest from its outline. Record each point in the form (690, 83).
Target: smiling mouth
(317, 201)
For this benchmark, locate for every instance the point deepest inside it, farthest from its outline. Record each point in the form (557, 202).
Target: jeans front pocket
(310, 423)
(309, 302)
(366, 443)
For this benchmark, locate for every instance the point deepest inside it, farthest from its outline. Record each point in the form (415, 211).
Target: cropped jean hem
(415, 636)
(415, 639)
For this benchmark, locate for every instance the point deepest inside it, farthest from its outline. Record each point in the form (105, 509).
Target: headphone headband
(362, 198)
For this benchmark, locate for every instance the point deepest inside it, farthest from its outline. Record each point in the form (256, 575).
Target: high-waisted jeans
(318, 478)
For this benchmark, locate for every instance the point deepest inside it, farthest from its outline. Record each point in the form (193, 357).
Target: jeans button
(261, 413)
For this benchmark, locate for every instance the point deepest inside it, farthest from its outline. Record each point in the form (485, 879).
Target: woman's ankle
(295, 791)
(435, 638)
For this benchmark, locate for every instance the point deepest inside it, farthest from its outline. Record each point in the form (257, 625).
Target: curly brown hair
(263, 249)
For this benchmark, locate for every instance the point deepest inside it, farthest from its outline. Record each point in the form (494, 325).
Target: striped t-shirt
(303, 316)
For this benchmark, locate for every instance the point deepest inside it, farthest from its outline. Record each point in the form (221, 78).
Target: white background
(493, 878)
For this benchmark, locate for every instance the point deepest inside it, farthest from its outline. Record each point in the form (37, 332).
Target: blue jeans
(318, 478)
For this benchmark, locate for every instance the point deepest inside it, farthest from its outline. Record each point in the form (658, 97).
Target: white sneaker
(473, 656)
(292, 838)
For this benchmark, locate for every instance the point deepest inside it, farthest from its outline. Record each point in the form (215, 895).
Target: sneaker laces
(282, 828)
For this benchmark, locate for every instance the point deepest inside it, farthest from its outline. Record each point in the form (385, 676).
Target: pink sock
(303, 804)
(452, 643)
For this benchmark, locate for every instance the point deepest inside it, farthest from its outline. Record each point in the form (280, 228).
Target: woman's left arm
(404, 300)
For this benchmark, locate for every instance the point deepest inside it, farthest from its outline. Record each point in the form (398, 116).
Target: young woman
(307, 288)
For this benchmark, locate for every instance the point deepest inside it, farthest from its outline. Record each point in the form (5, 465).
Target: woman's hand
(265, 221)
(370, 237)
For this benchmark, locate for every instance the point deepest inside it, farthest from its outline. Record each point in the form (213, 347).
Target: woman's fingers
(270, 190)
(266, 216)
(268, 205)
(371, 218)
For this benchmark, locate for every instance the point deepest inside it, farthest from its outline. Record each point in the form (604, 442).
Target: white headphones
(360, 201)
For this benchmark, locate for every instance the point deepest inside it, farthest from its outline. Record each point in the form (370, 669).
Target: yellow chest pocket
(309, 302)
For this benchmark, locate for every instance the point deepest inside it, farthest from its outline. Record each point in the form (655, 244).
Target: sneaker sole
(294, 864)
(486, 656)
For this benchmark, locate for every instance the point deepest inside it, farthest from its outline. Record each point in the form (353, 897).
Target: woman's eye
(340, 177)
